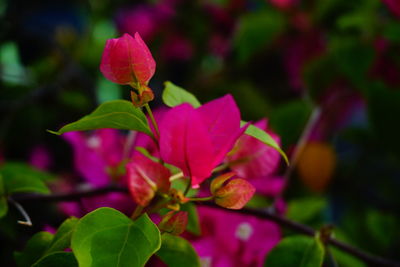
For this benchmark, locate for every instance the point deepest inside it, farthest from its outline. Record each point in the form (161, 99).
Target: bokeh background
(326, 74)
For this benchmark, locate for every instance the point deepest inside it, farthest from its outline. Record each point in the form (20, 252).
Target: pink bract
(127, 60)
(141, 173)
(197, 140)
(244, 241)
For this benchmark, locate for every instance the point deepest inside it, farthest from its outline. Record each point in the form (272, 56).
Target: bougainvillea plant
(184, 153)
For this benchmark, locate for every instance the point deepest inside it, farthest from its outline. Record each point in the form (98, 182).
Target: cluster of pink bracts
(195, 140)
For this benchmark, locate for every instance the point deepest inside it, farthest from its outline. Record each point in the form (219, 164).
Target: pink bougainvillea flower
(127, 60)
(145, 178)
(244, 241)
(253, 160)
(284, 4)
(197, 140)
(394, 6)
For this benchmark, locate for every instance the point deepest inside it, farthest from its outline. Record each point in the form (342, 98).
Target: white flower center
(244, 231)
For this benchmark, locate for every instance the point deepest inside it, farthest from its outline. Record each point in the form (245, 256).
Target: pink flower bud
(127, 60)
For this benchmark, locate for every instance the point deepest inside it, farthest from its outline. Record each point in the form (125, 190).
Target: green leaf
(301, 251)
(264, 137)
(116, 114)
(62, 239)
(174, 95)
(193, 225)
(21, 178)
(59, 259)
(34, 249)
(3, 199)
(248, 39)
(176, 251)
(106, 237)
(305, 209)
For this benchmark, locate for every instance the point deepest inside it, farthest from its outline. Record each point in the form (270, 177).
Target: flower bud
(127, 60)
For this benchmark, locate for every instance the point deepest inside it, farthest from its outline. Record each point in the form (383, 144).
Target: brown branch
(368, 258)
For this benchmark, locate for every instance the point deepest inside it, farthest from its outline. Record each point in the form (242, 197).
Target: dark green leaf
(106, 237)
(34, 249)
(256, 30)
(59, 259)
(116, 114)
(176, 251)
(174, 95)
(305, 209)
(62, 239)
(193, 225)
(3, 199)
(301, 251)
(21, 178)
(264, 137)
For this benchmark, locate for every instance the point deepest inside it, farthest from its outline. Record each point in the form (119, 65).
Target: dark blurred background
(324, 73)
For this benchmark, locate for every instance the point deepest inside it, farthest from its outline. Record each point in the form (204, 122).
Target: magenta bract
(127, 60)
(197, 140)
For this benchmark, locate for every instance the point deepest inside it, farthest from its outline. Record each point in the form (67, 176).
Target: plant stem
(201, 198)
(153, 121)
(188, 186)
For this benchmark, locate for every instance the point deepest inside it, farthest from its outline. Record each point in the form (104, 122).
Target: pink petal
(142, 61)
(222, 117)
(185, 142)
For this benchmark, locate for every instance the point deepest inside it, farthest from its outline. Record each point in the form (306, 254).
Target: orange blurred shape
(316, 165)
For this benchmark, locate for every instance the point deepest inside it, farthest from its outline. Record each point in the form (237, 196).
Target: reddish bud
(174, 222)
(145, 178)
(233, 195)
(127, 60)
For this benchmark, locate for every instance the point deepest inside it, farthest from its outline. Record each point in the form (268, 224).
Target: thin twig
(27, 220)
(368, 258)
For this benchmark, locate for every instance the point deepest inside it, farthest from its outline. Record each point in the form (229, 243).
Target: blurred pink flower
(299, 51)
(284, 4)
(394, 6)
(97, 155)
(230, 239)
(145, 19)
(40, 158)
(197, 140)
(177, 47)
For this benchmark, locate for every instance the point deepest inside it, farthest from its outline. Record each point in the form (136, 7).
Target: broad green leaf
(193, 225)
(301, 251)
(305, 209)
(3, 199)
(116, 114)
(174, 95)
(106, 237)
(59, 259)
(176, 251)
(21, 178)
(62, 239)
(264, 137)
(34, 249)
